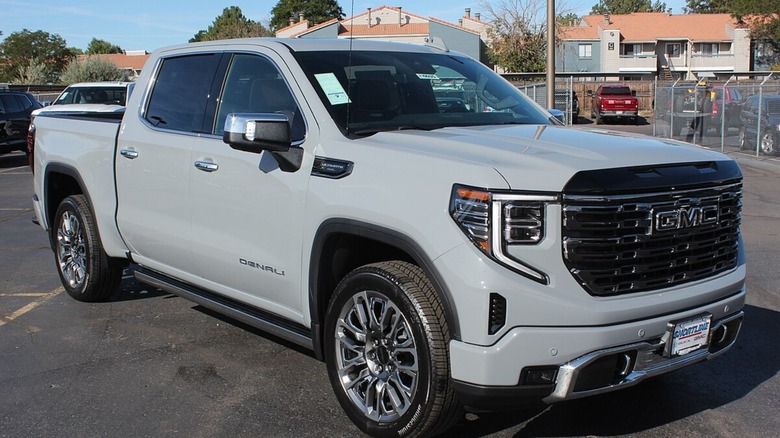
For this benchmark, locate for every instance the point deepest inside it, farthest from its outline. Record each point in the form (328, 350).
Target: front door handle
(206, 166)
(129, 153)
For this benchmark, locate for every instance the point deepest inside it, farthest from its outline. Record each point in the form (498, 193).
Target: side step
(254, 317)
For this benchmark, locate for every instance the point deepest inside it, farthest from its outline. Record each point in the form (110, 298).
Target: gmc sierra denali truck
(437, 254)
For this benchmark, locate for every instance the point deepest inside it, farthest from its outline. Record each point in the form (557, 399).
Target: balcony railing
(721, 60)
(638, 62)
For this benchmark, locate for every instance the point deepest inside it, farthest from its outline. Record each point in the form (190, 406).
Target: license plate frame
(688, 335)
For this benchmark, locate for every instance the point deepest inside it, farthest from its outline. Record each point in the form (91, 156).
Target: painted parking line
(41, 298)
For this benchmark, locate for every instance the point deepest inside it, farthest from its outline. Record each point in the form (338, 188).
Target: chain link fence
(730, 115)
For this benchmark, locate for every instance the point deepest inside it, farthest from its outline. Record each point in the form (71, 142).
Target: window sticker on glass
(332, 88)
(427, 76)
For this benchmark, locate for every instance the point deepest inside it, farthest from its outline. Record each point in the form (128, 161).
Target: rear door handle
(206, 166)
(129, 153)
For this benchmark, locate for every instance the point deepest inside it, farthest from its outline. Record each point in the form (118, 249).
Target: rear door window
(181, 92)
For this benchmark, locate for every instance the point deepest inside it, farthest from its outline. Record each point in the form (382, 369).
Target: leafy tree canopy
(231, 24)
(22, 49)
(315, 11)
(97, 47)
(627, 6)
(91, 69)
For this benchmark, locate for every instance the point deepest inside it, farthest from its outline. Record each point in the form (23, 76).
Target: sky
(148, 25)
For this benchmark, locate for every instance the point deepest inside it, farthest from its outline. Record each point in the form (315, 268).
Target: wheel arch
(59, 182)
(341, 245)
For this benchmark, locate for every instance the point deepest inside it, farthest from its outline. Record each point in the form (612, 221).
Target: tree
(707, 6)
(32, 73)
(92, 69)
(231, 24)
(518, 36)
(627, 6)
(315, 11)
(97, 46)
(21, 49)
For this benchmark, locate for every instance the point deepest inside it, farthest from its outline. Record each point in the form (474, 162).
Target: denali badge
(685, 217)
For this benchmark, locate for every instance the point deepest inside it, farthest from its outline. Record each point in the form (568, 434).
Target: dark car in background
(760, 118)
(15, 109)
(725, 108)
(566, 100)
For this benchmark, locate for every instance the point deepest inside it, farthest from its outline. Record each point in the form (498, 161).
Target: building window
(586, 50)
(709, 48)
(631, 49)
(673, 50)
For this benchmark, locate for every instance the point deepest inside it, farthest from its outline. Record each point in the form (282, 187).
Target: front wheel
(84, 268)
(386, 350)
(743, 141)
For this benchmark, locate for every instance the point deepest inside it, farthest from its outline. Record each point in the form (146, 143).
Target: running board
(254, 317)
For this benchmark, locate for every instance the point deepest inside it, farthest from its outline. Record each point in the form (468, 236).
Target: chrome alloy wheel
(768, 145)
(72, 250)
(376, 356)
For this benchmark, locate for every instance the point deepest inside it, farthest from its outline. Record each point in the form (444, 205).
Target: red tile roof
(652, 26)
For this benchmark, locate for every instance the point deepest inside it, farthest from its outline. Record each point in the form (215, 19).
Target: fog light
(539, 376)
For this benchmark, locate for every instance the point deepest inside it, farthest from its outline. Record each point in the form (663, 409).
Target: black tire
(743, 140)
(390, 371)
(86, 272)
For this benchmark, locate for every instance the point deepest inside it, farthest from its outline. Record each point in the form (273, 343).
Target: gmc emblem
(685, 217)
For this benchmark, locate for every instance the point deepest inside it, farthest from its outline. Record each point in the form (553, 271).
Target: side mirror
(633, 93)
(589, 93)
(258, 132)
(557, 114)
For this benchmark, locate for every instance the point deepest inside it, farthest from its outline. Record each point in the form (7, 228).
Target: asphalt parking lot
(148, 363)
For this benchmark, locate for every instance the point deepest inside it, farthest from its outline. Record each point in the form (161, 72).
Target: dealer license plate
(689, 335)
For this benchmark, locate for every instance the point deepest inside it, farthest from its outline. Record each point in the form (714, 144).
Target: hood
(543, 157)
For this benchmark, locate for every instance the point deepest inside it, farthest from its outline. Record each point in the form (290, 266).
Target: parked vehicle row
(760, 117)
(15, 110)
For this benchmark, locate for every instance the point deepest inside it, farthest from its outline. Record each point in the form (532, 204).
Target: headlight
(495, 220)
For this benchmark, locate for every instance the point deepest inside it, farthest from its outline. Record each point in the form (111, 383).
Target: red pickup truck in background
(614, 101)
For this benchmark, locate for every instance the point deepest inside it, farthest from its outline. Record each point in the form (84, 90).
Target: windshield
(367, 92)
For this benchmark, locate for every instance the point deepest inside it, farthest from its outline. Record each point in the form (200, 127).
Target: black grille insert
(616, 244)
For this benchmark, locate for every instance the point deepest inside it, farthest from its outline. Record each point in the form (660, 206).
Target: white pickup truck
(428, 231)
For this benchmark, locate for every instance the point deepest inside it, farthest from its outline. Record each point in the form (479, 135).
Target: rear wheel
(386, 350)
(769, 143)
(84, 268)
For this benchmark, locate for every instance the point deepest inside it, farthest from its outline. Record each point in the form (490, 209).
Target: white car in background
(104, 93)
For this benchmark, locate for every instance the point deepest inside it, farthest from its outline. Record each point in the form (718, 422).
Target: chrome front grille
(616, 244)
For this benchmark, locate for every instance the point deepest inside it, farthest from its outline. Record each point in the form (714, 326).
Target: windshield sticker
(332, 88)
(427, 76)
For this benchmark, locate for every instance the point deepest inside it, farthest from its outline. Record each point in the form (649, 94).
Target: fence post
(671, 112)
(723, 116)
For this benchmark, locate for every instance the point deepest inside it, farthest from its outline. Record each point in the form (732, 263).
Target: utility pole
(550, 53)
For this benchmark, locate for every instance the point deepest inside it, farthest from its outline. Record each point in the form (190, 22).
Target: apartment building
(670, 46)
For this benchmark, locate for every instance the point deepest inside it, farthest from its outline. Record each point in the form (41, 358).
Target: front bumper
(585, 360)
